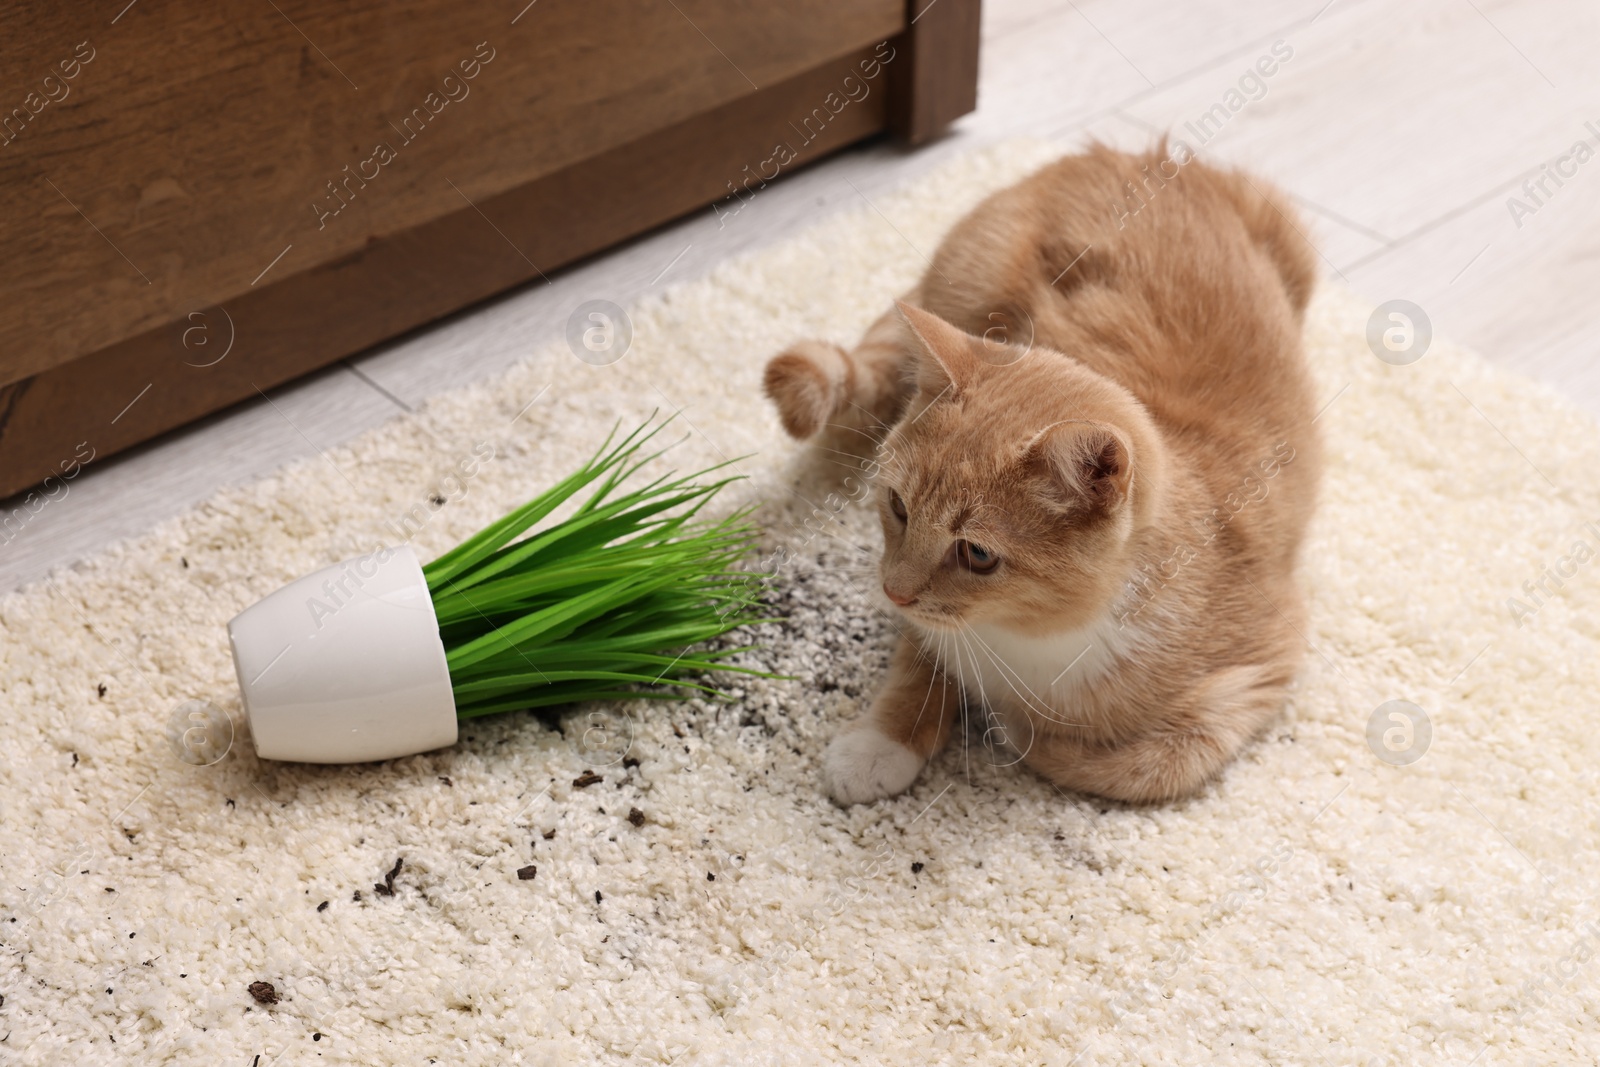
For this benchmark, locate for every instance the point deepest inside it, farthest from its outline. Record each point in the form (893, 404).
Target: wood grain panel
(138, 388)
(196, 140)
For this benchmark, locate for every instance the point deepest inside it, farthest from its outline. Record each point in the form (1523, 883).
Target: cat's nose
(902, 599)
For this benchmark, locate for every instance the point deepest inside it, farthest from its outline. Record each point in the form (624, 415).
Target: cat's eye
(976, 558)
(897, 505)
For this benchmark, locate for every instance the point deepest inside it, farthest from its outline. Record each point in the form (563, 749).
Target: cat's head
(1010, 490)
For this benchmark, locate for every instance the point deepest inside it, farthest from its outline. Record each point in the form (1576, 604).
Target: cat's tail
(817, 384)
(808, 382)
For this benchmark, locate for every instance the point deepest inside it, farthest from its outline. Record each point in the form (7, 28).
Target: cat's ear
(1084, 464)
(947, 359)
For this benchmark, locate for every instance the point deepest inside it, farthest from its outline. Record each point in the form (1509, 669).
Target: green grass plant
(615, 601)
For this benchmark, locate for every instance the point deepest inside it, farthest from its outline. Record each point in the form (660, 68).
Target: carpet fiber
(703, 902)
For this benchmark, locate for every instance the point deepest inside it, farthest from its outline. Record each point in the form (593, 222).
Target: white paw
(865, 764)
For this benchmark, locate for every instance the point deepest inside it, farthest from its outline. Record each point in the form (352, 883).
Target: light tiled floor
(1401, 130)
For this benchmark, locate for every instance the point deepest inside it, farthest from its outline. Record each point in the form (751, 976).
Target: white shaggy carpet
(1317, 905)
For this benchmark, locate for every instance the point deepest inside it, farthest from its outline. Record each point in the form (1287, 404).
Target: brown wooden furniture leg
(939, 84)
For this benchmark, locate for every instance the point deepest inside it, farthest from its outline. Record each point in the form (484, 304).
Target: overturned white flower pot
(346, 665)
(378, 657)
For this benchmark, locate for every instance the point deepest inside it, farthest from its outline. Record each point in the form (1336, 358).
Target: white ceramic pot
(346, 665)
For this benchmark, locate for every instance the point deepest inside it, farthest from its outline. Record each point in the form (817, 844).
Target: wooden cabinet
(201, 201)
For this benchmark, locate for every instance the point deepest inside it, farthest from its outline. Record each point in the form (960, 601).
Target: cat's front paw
(865, 764)
(805, 383)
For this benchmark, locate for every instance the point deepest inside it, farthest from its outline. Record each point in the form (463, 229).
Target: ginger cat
(1095, 425)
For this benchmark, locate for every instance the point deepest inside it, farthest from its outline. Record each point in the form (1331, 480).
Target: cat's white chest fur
(1011, 672)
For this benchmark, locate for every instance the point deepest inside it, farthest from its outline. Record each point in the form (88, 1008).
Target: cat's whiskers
(934, 678)
(1007, 673)
(990, 714)
(851, 429)
(983, 701)
(863, 576)
(873, 418)
(820, 447)
(860, 549)
(861, 461)
(853, 468)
